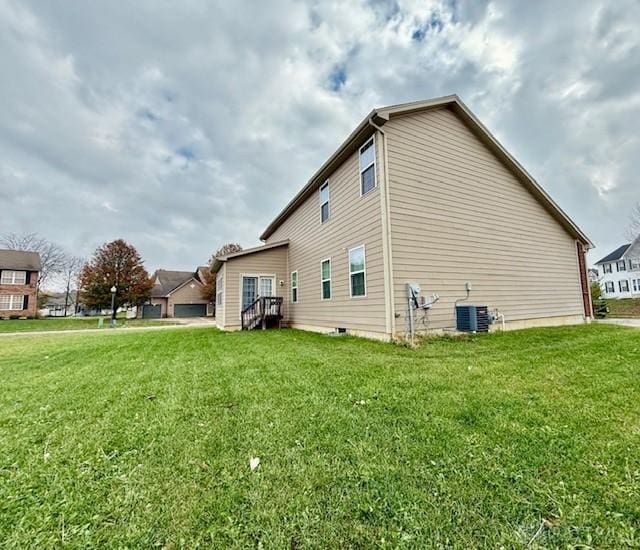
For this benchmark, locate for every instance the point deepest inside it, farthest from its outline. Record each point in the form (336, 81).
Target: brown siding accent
(354, 220)
(584, 280)
(459, 214)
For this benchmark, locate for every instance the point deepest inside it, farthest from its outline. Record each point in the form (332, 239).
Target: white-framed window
(266, 286)
(324, 202)
(9, 277)
(623, 285)
(607, 268)
(294, 287)
(11, 302)
(367, 167)
(219, 289)
(634, 264)
(621, 265)
(636, 285)
(325, 279)
(609, 287)
(357, 272)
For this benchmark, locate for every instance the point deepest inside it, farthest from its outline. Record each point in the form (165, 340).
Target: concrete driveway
(623, 322)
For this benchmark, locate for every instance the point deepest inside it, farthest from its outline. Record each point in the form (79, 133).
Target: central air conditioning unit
(472, 318)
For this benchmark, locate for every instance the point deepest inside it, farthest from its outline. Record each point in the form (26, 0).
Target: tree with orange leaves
(115, 264)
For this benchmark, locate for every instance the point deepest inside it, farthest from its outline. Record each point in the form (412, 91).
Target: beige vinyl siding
(268, 262)
(162, 302)
(186, 295)
(458, 214)
(354, 220)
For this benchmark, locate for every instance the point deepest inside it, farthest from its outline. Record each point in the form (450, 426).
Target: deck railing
(261, 312)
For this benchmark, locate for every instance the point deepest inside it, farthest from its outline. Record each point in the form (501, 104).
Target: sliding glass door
(254, 286)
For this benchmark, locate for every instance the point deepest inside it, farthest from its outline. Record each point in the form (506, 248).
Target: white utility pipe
(500, 316)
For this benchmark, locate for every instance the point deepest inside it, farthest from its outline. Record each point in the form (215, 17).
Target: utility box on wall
(472, 318)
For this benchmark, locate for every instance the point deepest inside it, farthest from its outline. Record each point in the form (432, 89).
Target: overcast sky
(179, 126)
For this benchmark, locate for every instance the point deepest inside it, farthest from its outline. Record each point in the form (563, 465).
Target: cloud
(181, 127)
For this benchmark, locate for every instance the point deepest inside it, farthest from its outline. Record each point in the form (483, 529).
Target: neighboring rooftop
(58, 298)
(167, 281)
(20, 260)
(615, 255)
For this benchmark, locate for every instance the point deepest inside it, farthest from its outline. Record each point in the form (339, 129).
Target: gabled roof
(219, 261)
(165, 281)
(20, 260)
(58, 298)
(615, 255)
(381, 115)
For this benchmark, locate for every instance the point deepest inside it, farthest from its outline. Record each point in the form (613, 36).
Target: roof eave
(217, 262)
(532, 184)
(216, 265)
(362, 131)
(382, 115)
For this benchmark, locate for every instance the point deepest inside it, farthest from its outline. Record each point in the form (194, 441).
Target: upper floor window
(325, 275)
(607, 268)
(367, 167)
(621, 265)
(357, 272)
(634, 264)
(324, 202)
(13, 277)
(294, 287)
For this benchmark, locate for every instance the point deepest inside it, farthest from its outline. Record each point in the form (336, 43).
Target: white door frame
(258, 276)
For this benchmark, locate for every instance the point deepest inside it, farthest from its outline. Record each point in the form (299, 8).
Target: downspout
(390, 321)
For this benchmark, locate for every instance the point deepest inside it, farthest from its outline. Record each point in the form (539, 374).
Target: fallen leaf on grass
(254, 462)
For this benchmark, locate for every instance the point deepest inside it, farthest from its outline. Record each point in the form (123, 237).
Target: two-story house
(419, 193)
(19, 272)
(619, 272)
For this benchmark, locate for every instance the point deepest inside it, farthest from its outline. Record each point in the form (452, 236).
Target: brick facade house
(19, 272)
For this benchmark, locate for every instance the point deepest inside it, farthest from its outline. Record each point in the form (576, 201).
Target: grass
(143, 439)
(624, 308)
(70, 323)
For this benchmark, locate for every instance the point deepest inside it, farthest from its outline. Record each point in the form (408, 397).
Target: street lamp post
(113, 306)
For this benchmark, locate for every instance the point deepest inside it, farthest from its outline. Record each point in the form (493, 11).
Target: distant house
(419, 200)
(53, 304)
(619, 271)
(19, 272)
(176, 294)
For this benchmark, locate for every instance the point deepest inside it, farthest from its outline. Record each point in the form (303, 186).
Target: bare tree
(72, 268)
(633, 229)
(52, 255)
(228, 248)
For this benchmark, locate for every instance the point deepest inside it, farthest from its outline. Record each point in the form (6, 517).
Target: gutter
(319, 175)
(387, 248)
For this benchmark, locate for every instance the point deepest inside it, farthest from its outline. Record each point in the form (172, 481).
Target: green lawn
(70, 323)
(625, 308)
(143, 439)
